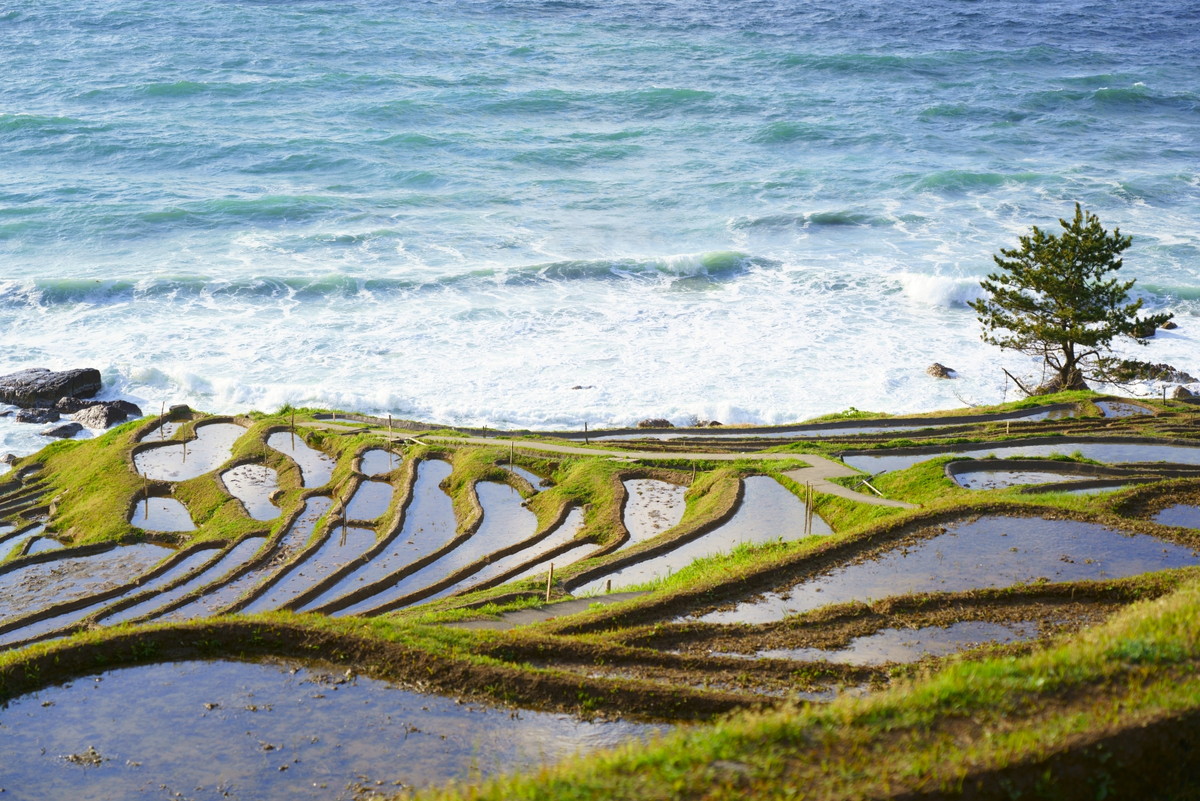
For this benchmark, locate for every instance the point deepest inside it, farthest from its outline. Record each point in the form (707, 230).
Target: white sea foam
(940, 290)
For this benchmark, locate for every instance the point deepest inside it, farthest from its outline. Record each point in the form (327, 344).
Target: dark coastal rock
(938, 370)
(103, 415)
(6, 413)
(8, 458)
(655, 422)
(1182, 393)
(581, 386)
(176, 412)
(714, 424)
(1134, 370)
(36, 416)
(41, 387)
(1169, 325)
(65, 431)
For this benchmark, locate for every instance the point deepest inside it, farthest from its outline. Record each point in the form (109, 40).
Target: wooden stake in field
(162, 416)
(585, 436)
(549, 582)
(146, 497)
(608, 585)
(293, 430)
(808, 505)
(390, 464)
(185, 451)
(512, 447)
(345, 510)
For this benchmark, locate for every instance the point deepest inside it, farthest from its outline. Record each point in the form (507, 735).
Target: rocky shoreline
(43, 396)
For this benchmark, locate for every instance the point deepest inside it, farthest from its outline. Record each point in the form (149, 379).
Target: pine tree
(1054, 298)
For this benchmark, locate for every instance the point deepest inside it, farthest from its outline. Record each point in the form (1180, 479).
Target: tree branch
(1017, 381)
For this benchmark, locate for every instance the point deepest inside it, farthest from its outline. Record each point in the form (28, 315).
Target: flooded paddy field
(1115, 452)
(987, 552)
(179, 461)
(506, 522)
(36, 586)
(767, 512)
(370, 500)
(162, 514)
(316, 467)
(212, 730)
(377, 461)
(253, 485)
(812, 619)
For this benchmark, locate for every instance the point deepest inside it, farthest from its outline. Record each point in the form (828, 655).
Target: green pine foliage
(1055, 298)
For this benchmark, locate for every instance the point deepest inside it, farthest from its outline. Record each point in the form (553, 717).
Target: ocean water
(754, 211)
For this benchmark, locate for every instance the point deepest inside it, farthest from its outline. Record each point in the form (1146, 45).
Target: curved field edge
(423, 659)
(1091, 718)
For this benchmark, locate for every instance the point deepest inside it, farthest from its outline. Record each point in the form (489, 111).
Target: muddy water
(14, 544)
(1108, 452)
(652, 508)
(562, 535)
(768, 512)
(1118, 409)
(211, 730)
(378, 461)
(343, 546)
(316, 468)
(370, 500)
(290, 544)
(164, 431)
(428, 525)
(161, 514)
(505, 522)
(253, 485)
(180, 461)
(222, 566)
(193, 562)
(998, 479)
(909, 645)
(989, 552)
(35, 587)
(1179, 515)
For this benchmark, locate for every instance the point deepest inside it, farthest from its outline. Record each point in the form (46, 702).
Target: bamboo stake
(345, 514)
(585, 436)
(293, 430)
(608, 585)
(512, 447)
(162, 426)
(549, 582)
(146, 497)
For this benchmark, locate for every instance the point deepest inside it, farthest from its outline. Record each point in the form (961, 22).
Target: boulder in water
(38, 386)
(36, 416)
(939, 370)
(103, 415)
(655, 422)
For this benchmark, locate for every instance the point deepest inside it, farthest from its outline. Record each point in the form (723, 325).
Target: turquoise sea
(747, 210)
